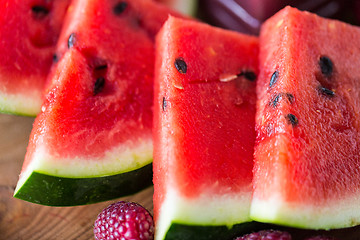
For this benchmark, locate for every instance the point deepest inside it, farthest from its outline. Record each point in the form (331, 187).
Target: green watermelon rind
(332, 215)
(189, 232)
(60, 180)
(44, 189)
(217, 212)
(19, 104)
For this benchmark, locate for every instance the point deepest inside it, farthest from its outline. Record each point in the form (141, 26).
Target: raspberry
(320, 238)
(124, 221)
(266, 235)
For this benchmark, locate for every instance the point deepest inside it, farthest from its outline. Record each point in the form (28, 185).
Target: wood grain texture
(23, 220)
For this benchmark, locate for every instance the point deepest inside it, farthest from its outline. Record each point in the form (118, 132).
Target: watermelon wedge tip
(92, 140)
(204, 116)
(307, 156)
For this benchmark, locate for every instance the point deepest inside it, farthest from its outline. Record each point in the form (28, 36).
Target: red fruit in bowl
(320, 238)
(266, 235)
(124, 221)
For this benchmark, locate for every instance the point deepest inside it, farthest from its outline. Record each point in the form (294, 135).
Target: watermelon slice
(204, 117)
(93, 139)
(29, 30)
(307, 158)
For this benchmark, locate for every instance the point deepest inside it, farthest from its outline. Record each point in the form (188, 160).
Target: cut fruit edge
(50, 173)
(19, 104)
(204, 210)
(333, 216)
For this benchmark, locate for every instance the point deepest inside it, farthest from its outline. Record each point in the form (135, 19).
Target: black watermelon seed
(119, 8)
(249, 75)
(326, 65)
(180, 65)
(326, 91)
(71, 40)
(276, 99)
(274, 78)
(40, 10)
(101, 67)
(292, 119)
(55, 58)
(290, 97)
(164, 104)
(99, 85)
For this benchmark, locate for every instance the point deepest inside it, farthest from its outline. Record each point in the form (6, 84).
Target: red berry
(266, 235)
(124, 221)
(320, 238)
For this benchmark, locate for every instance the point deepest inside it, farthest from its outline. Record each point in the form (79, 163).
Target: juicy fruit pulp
(95, 127)
(125, 221)
(307, 154)
(28, 34)
(203, 129)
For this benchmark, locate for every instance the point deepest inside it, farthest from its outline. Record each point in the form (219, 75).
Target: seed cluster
(278, 97)
(326, 67)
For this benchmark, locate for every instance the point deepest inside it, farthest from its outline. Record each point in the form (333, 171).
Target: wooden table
(23, 220)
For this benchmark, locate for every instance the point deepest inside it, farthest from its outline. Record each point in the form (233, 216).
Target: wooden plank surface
(23, 220)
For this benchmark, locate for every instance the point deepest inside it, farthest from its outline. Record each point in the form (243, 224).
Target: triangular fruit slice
(204, 118)
(93, 139)
(29, 30)
(307, 158)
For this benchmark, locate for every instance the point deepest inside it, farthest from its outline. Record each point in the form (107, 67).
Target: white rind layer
(117, 160)
(336, 214)
(27, 105)
(187, 7)
(204, 210)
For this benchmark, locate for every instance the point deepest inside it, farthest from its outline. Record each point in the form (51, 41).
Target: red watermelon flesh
(307, 157)
(204, 117)
(96, 120)
(28, 34)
